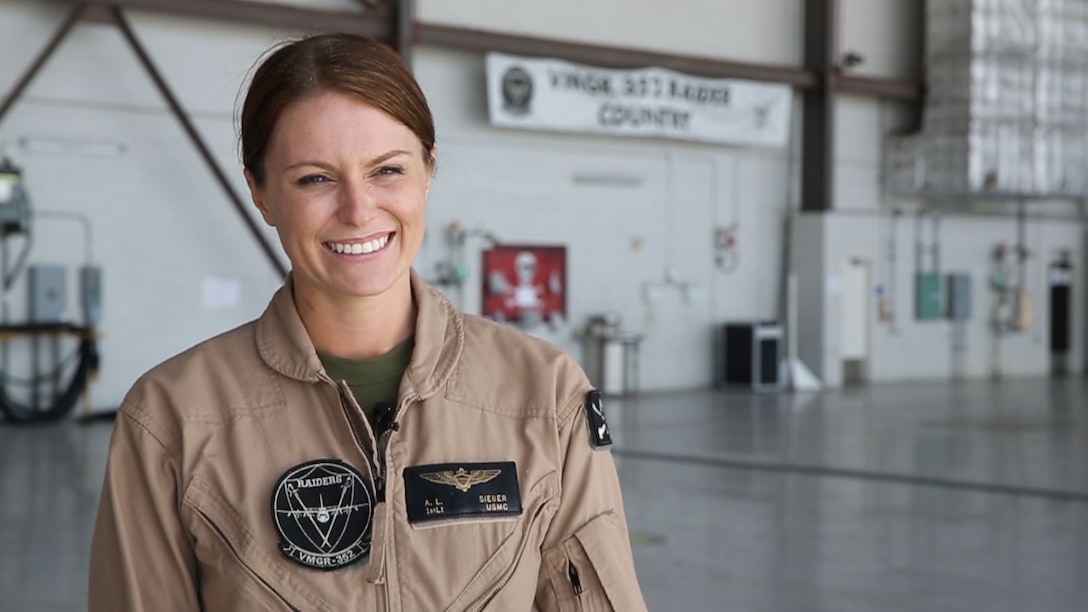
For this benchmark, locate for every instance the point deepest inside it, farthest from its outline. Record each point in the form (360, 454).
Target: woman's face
(346, 188)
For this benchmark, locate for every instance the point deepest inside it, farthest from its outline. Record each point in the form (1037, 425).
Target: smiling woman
(362, 445)
(349, 206)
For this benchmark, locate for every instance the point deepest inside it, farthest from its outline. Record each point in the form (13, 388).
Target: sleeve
(586, 560)
(141, 556)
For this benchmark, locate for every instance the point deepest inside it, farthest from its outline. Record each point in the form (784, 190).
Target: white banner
(548, 94)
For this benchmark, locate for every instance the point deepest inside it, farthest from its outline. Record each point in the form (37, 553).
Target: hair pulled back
(331, 63)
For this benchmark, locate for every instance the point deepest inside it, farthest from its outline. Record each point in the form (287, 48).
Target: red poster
(525, 284)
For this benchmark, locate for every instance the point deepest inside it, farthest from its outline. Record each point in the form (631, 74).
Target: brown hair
(342, 63)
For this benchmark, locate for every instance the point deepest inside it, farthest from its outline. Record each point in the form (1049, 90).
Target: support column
(818, 110)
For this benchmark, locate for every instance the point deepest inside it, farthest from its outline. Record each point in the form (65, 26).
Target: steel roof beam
(375, 20)
(32, 70)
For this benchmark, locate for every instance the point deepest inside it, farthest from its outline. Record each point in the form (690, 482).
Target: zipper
(379, 474)
(383, 444)
(575, 579)
(249, 570)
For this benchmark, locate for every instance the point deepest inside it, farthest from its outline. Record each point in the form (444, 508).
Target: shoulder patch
(599, 435)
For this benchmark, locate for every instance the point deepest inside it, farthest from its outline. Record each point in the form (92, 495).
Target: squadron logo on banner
(517, 90)
(323, 512)
(548, 94)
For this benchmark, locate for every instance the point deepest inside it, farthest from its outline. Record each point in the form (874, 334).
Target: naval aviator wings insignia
(461, 480)
(449, 491)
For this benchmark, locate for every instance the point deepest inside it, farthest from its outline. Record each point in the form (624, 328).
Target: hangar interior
(905, 226)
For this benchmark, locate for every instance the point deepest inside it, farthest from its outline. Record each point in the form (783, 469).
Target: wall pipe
(197, 141)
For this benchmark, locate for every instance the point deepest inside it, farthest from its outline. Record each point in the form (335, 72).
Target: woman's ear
(433, 168)
(256, 193)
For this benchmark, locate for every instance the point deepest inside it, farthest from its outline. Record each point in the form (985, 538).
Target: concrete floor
(921, 497)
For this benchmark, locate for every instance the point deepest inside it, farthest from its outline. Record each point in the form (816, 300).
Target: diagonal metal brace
(66, 26)
(198, 142)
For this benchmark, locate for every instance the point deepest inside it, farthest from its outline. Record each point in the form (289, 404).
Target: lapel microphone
(383, 418)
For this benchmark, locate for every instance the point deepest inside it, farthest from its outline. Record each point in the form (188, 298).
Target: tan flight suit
(203, 474)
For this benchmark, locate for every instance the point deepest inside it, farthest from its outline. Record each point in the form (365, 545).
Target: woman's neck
(359, 328)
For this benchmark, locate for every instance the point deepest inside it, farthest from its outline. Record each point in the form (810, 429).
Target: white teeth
(359, 248)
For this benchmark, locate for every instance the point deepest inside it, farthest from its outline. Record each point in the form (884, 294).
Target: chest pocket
(236, 572)
(505, 553)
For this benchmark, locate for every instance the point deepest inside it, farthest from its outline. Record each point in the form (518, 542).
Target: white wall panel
(904, 347)
(886, 33)
(522, 187)
(764, 31)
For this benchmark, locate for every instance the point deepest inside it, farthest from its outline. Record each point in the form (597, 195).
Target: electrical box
(48, 296)
(959, 296)
(90, 294)
(929, 296)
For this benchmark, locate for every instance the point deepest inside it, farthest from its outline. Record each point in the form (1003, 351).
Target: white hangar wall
(898, 345)
(622, 239)
(179, 265)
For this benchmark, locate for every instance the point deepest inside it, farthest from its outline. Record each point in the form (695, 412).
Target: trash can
(611, 355)
(749, 354)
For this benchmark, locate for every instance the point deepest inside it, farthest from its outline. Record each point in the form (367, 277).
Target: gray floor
(922, 497)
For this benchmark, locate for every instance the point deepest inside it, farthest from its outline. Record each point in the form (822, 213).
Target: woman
(361, 445)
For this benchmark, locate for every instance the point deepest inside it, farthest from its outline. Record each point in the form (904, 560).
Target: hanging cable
(86, 367)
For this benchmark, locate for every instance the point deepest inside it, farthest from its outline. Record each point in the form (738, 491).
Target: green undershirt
(371, 380)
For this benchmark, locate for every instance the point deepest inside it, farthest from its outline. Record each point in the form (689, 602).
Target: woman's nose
(357, 205)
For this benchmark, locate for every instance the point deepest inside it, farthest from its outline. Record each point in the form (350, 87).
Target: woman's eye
(390, 170)
(313, 179)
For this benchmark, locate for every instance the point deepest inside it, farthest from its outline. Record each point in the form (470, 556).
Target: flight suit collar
(285, 346)
(440, 338)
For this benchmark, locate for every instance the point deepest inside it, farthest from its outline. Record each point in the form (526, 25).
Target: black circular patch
(323, 511)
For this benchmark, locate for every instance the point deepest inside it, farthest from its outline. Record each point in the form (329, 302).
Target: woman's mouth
(359, 248)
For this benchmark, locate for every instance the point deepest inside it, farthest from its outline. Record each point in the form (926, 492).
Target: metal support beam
(889, 89)
(66, 26)
(374, 20)
(198, 142)
(613, 57)
(818, 107)
(393, 21)
(405, 27)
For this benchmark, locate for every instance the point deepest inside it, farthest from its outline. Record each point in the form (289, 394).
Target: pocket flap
(202, 498)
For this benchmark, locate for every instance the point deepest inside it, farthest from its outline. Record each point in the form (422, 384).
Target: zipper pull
(379, 489)
(575, 580)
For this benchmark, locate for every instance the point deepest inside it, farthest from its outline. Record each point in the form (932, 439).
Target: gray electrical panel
(48, 295)
(959, 296)
(90, 290)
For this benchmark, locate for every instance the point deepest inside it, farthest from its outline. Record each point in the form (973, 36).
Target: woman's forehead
(337, 120)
